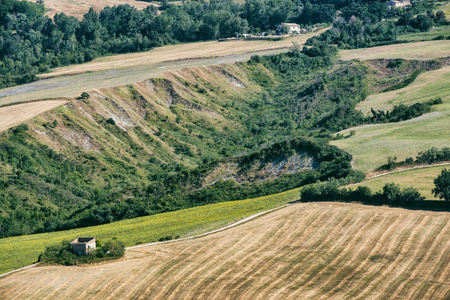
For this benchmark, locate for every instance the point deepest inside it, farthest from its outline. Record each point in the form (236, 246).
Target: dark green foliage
(442, 185)
(391, 194)
(404, 83)
(62, 254)
(430, 156)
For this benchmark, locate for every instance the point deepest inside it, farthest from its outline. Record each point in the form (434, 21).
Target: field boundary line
(244, 220)
(412, 168)
(17, 270)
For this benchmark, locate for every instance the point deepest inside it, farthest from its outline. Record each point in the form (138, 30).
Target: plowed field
(304, 251)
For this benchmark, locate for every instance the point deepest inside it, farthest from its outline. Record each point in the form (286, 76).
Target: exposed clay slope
(304, 251)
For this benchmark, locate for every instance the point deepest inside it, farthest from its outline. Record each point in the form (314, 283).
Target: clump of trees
(429, 156)
(62, 254)
(391, 194)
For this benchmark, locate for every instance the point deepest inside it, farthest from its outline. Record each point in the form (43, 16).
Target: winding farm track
(302, 251)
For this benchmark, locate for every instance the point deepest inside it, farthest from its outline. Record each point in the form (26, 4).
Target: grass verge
(17, 252)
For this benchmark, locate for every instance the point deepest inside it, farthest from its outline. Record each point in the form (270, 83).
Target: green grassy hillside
(372, 145)
(421, 179)
(191, 137)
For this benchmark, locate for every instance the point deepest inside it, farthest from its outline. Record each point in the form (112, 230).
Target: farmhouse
(83, 246)
(293, 28)
(398, 3)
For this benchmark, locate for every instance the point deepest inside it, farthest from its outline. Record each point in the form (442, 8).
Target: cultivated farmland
(77, 8)
(125, 69)
(17, 252)
(304, 251)
(419, 50)
(373, 144)
(421, 179)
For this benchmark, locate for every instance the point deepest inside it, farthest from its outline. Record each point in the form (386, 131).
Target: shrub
(442, 185)
(62, 254)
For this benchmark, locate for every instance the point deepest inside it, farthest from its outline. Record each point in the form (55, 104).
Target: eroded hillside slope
(191, 137)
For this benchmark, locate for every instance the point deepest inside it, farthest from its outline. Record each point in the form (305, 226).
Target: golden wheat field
(77, 8)
(304, 251)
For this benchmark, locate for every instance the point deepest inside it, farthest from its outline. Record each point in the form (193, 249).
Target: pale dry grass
(373, 144)
(131, 68)
(304, 251)
(173, 53)
(14, 115)
(419, 50)
(77, 8)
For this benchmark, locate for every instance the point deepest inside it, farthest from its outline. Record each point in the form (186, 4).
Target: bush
(62, 254)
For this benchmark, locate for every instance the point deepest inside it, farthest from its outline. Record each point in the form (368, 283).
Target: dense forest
(31, 43)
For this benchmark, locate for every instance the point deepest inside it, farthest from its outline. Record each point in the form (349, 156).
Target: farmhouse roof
(83, 240)
(290, 24)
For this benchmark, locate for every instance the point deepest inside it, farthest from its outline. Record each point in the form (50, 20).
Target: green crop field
(373, 144)
(17, 252)
(421, 179)
(426, 36)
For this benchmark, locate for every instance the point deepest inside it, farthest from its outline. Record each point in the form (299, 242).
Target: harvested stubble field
(77, 8)
(373, 144)
(422, 179)
(419, 50)
(21, 251)
(14, 115)
(303, 251)
(125, 69)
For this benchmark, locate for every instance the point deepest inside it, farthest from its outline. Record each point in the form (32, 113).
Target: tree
(442, 185)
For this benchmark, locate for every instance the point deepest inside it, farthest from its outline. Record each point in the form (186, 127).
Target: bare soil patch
(303, 251)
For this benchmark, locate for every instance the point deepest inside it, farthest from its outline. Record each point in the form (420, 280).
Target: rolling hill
(307, 251)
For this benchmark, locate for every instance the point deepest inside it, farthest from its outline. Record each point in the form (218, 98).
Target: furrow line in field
(379, 274)
(344, 254)
(248, 273)
(207, 266)
(423, 259)
(367, 264)
(196, 277)
(325, 228)
(402, 250)
(304, 234)
(438, 262)
(410, 258)
(244, 258)
(151, 280)
(357, 263)
(321, 245)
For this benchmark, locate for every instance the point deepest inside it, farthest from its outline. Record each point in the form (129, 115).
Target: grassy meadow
(17, 252)
(419, 50)
(426, 36)
(373, 144)
(421, 179)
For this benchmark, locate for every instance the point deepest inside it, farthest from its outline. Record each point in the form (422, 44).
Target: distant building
(293, 28)
(83, 246)
(398, 3)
